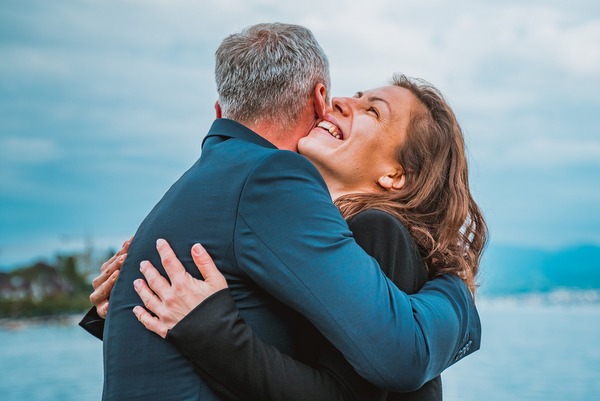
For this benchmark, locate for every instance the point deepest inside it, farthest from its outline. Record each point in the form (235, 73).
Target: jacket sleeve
(291, 240)
(240, 366)
(221, 345)
(385, 238)
(93, 323)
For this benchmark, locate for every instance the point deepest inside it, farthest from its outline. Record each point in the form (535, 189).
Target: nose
(341, 105)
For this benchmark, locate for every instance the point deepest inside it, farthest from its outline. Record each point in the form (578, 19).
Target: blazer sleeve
(291, 240)
(240, 365)
(93, 323)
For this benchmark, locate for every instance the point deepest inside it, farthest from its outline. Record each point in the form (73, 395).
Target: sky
(103, 105)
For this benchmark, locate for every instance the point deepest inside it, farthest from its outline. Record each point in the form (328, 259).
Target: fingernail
(143, 265)
(160, 242)
(136, 284)
(197, 249)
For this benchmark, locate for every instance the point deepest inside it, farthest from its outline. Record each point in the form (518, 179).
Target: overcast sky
(103, 105)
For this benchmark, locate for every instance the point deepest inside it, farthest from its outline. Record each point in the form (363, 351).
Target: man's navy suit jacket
(267, 219)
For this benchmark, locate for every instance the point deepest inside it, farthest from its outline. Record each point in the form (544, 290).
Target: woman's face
(357, 142)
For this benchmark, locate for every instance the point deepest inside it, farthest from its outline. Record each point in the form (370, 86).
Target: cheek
(369, 148)
(383, 144)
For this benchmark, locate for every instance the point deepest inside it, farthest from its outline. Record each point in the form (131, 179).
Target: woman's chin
(306, 146)
(310, 150)
(317, 145)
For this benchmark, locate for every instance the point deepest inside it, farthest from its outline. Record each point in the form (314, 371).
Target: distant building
(35, 283)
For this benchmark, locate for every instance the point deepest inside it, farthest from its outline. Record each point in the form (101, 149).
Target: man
(266, 218)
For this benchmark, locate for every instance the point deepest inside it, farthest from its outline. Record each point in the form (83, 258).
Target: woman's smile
(332, 129)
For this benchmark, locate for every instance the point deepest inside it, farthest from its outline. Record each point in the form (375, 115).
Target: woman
(394, 162)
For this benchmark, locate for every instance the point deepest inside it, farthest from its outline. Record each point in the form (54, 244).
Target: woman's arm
(236, 362)
(224, 349)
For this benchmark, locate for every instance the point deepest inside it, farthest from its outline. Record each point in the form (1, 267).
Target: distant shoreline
(20, 323)
(559, 297)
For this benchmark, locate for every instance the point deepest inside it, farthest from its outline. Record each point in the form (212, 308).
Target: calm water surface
(529, 352)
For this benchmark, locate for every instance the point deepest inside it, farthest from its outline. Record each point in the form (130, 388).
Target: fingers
(203, 261)
(150, 322)
(108, 268)
(170, 262)
(102, 309)
(123, 251)
(149, 298)
(102, 292)
(167, 303)
(126, 244)
(110, 262)
(105, 281)
(207, 267)
(155, 280)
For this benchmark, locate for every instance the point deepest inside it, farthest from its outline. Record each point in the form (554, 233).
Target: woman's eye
(374, 111)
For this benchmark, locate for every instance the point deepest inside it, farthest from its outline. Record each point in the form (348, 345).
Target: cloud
(28, 150)
(555, 153)
(103, 106)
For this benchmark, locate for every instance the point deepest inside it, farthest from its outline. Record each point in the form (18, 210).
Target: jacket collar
(226, 128)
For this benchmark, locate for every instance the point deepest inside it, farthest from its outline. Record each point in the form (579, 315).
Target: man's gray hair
(267, 72)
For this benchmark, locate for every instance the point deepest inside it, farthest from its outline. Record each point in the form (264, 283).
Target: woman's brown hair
(435, 204)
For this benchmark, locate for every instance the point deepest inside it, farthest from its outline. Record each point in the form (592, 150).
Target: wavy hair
(435, 203)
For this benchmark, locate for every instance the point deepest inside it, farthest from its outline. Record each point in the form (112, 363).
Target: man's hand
(105, 281)
(172, 302)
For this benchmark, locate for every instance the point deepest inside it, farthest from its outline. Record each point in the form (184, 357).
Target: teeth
(331, 128)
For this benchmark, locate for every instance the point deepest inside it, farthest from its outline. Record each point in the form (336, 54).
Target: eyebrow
(360, 94)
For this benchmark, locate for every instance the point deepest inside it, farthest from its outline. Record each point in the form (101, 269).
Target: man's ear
(320, 100)
(393, 181)
(218, 109)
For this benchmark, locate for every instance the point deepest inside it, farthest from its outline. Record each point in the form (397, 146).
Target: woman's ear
(320, 100)
(393, 181)
(217, 109)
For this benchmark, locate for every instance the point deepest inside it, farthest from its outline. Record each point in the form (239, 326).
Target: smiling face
(355, 147)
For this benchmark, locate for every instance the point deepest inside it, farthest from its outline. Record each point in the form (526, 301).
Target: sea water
(530, 351)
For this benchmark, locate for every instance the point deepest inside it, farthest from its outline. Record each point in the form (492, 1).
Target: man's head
(268, 72)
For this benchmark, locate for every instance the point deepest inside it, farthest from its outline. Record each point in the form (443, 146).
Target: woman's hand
(104, 282)
(172, 302)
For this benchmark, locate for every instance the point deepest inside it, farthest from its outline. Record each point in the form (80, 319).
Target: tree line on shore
(46, 288)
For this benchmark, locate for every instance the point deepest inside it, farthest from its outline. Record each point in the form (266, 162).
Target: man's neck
(284, 138)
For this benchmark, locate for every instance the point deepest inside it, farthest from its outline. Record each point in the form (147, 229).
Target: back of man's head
(267, 72)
